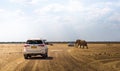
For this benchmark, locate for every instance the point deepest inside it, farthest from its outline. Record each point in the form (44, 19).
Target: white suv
(35, 47)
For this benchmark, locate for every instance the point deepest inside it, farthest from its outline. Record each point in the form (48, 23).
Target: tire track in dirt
(39, 64)
(105, 64)
(11, 65)
(20, 67)
(68, 63)
(114, 64)
(62, 60)
(30, 66)
(82, 60)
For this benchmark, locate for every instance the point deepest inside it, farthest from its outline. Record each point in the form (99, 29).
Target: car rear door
(34, 46)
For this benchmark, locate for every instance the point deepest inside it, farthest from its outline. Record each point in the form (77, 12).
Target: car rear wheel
(25, 56)
(29, 56)
(45, 55)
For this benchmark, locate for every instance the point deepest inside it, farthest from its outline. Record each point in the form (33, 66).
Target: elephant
(81, 43)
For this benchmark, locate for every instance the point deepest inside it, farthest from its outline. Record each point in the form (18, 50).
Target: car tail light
(42, 45)
(26, 45)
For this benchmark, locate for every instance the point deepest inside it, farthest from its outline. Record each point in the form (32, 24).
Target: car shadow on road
(40, 58)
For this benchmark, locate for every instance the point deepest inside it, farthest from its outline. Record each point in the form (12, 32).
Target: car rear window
(34, 42)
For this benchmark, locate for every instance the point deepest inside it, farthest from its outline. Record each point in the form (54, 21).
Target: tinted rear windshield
(34, 42)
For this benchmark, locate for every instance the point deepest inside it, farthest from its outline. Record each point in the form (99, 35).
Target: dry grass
(103, 57)
(99, 57)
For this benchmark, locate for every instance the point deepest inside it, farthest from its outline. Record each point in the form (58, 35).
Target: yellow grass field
(98, 57)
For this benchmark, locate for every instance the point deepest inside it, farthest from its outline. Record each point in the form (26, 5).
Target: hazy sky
(60, 20)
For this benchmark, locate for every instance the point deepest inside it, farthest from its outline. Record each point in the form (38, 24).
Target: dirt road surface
(61, 58)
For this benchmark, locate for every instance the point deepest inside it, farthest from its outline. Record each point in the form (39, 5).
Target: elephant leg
(82, 46)
(87, 47)
(76, 45)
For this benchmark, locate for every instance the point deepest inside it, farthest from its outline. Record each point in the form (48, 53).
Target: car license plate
(33, 47)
